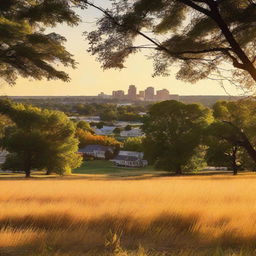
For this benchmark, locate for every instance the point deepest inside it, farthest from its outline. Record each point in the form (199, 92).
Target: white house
(136, 132)
(105, 130)
(139, 155)
(130, 159)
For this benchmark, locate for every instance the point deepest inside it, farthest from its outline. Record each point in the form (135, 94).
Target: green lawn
(107, 167)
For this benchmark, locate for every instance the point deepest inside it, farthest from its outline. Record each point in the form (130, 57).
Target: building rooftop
(126, 158)
(90, 148)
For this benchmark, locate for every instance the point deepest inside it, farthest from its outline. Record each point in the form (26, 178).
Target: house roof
(131, 153)
(90, 148)
(126, 158)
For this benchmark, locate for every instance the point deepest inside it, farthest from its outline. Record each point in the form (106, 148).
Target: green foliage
(239, 119)
(198, 161)
(40, 140)
(86, 138)
(202, 38)
(129, 116)
(232, 135)
(134, 144)
(5, 123)
(174, 134)
(108, 115)
(221, 152)
(84, 126)
(25, 48)
(85, 109)
(241, 113)
(117, 131)
(110, 112)
(99, 125)
(128, 127)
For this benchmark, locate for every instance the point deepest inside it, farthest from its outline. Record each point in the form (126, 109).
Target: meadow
(92, 215)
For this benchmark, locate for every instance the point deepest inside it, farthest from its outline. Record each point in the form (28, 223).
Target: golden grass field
(197, 215)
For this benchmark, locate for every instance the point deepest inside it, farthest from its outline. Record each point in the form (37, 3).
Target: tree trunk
(235, 171)
(178, 170)
(28, 172)
(48, 172)
(250, 149)
(234, 165)
(28, 165)
(245, 143)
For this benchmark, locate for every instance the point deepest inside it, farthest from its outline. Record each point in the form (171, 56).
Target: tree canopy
(235, 123)
(5, 122)
(174, 134)
(205, 39)
(26, 49)
(83, 125)
(40, 140)
(134, 144)
(220, 152)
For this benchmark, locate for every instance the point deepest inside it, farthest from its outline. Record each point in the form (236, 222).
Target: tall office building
(132, 92)
(149, 94)
(118, 94)
(141, 95)
(162, 95)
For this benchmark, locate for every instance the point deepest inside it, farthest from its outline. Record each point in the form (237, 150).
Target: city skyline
(148, 94)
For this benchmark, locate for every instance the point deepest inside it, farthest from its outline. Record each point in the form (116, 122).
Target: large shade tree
(26, 49)
(235, 123)
(173, 135)
(220, 152)
(204, 38)
(39, 140)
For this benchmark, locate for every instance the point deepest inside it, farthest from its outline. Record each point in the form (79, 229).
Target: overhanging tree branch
(196, 7)
(229, 47)
(158, 45)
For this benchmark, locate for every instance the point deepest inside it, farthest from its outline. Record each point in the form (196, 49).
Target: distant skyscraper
(149, 93)
(162, 95)
(132, 92)
(118, 94)
(141, 95)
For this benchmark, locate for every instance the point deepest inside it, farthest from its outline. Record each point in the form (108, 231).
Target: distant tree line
(106, 111)
(111, 112)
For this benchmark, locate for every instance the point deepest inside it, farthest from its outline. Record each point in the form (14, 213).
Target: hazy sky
(90, 79)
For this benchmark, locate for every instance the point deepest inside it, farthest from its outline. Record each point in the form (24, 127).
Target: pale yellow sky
(90, 79)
